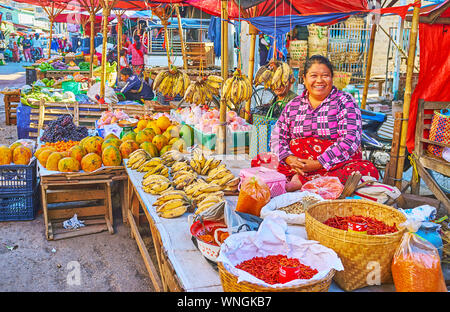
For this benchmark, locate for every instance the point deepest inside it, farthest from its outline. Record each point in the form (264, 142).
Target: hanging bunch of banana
(237, 88)
(203, 89)
(273, 75)
(172, 204)
(171, 82)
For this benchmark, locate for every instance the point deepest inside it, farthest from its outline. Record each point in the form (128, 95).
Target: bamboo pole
(166, 39)
(107, 5)
(251, 65)
(119, 15)
(408, 92)
(92, 44)
(221, 134)
(369, 66)
(180, 30)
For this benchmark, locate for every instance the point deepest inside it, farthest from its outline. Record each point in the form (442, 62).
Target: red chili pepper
(374, 226)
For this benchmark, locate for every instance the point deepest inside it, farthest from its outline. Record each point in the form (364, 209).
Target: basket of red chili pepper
(364, 234)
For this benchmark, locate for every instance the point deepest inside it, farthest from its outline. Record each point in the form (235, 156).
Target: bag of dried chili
(416, 266)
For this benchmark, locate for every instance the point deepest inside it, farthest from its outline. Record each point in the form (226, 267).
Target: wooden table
(180, 265)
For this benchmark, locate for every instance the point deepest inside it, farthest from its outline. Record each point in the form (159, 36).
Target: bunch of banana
(273, 75)
(171, 82)
(155, 184)
(183, 178)
(172, 156)
(201, 164)
(172, 203)
(137, 158)
(224, 178)
(180, 166)
(155, 167)
(237, 88)
(203, 89)
(208, 202)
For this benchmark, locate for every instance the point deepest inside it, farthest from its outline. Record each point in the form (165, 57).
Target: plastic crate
(208, 140)
(30, 75)
(23, 207)
(18, 179)
(165, 100)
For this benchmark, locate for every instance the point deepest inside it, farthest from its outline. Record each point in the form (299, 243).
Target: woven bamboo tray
(230, 284)
(361, 255)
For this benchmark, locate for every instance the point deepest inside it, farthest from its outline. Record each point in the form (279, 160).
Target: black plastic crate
(18, 207)
(30, 76)
(18, 179)
(165, 100)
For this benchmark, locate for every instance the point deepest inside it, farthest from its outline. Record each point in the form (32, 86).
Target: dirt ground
(30, 263)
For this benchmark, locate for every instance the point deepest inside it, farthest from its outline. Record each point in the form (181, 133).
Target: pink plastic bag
(326, 187)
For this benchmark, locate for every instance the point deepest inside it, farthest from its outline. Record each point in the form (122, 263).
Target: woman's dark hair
(320, 59)
(137, 40)
(127, 71)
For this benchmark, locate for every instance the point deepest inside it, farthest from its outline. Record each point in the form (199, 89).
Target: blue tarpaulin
(214, 34)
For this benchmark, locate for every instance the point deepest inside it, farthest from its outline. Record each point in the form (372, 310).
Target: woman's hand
(302, 166)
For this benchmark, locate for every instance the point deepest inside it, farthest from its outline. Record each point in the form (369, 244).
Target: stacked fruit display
(63, 129)
(203, 89)
(273, 75)
(16, 154)
(171, 82)
(90, 154)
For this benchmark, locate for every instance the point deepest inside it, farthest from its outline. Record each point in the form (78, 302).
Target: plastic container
(19, 207)
(208, 140)
(275, 181)
(72, 86)
(430, 232)
(18, 179)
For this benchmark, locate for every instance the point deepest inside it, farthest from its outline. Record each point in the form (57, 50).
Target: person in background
(135, 89)
(137, 55)
(16, 53)
(123, 61)
(320, 131)
(37, 44)
(263, 50)
(26, 44)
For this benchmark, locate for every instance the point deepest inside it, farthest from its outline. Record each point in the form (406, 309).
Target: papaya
(150, 148)
(111, 141)
(77, 152)
(165, 149)
(43, 148)
(53, 160)
(43, 156)
(111, 136)
(93, 145)
(160, 141)
(68, 164)
(130, 135)
(91, 162)
(14, 145)
(111, 156)
(21, 155)
(127, 147)
(6, 155)
(145, 135)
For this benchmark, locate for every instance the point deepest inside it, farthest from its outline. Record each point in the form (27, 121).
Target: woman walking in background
(26, 44)
(137, 55)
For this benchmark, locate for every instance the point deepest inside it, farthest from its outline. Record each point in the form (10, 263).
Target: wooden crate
(197, 52)
(86, 194)
(11, 100)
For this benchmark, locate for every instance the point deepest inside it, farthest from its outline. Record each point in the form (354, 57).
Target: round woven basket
(230, 284)
(366, 258)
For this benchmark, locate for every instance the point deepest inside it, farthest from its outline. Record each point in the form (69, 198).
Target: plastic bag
(327, 187)
(254, 195)
(110, 94)
(416, 266)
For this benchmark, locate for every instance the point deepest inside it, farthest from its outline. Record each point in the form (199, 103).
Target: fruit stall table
(181, 265)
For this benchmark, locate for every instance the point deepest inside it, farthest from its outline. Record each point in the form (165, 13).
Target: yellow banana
(173, 213)
(171, 204)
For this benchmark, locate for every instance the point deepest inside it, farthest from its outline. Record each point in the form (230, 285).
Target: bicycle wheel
(443, 181)
(261, 96)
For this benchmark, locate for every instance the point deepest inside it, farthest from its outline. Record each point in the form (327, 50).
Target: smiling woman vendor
(320, 131)
(135, 89)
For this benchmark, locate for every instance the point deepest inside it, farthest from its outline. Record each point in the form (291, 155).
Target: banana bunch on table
(223, 177)
(172, 204)
(273, 75)
(204, 195)
(201, 164)
(171, 82)
(237, 88)
(172, 156)
(155, 184)
(137, 158)
(203, 89)
(154, 166)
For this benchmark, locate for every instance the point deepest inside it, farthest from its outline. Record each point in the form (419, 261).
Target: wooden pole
(92, 44)
(408, 92)
(119, 37)
(369, 66)
(221, 135)
(166, 38)
(50, 37)
(180, 30)
(106, 12)
(251, 65)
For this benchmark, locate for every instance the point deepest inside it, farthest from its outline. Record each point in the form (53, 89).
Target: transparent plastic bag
(253, 195)
(416, 266)
(327, 187)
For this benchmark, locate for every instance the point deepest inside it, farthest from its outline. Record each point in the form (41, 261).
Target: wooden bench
(424, 160)
(11, 100)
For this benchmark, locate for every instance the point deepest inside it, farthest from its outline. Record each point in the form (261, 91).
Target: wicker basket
(341, 79)
(230, 284)
(358, 252)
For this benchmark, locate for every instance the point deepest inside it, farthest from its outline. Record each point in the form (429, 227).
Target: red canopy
(434, 79)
